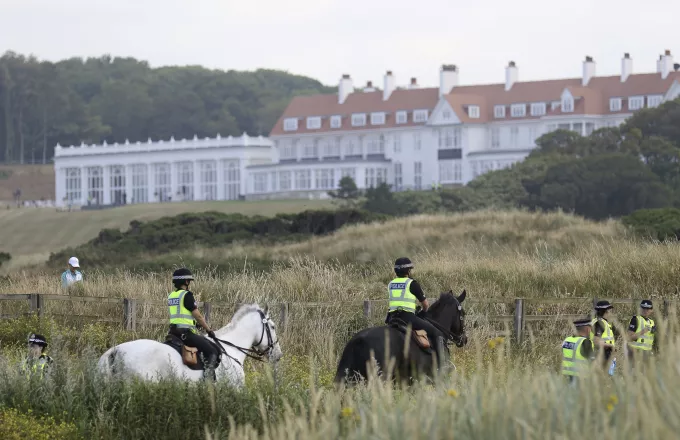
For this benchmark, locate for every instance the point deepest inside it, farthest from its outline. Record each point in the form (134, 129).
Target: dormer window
(336, 121)
(420, 116)
(615, 104)
(473, 111)
(654, 100)
(567, 104)
(499, 111)
(358, 119)
(313, 123)
(377, 118)
(518, 110)
(538, 109)
(401, 117)
(636, 102)
(290, 124)
(446, 114)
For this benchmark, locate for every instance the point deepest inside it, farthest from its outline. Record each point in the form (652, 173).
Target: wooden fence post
(367, 309)
(130, 313)
(36, 303)
(519, 321)
(207, 309)
(284, 316)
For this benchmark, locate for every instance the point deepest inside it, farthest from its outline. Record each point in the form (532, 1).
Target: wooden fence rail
(129, 307)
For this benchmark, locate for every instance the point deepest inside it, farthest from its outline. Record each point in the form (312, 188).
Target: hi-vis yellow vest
(608, 335)
(401, 297)
(646, 341)
(179, 315)
(573, 362)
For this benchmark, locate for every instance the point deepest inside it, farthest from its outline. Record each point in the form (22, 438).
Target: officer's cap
(582, 323)
(35, 338)
(646, 304)
(603, 305)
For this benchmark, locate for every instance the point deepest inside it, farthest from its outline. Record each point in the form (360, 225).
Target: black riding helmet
(181, 275)
(402, 265)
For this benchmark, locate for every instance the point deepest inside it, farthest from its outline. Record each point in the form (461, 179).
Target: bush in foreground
(658, 224)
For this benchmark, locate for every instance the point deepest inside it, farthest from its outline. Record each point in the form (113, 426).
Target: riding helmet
(37, 339)
(403, 263)
(182, 274)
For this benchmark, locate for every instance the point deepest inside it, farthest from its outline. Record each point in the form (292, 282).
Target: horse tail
(352, 362)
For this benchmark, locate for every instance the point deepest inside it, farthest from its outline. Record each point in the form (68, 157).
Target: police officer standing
(577, 351)
(37, 360)
(642, 332)
(603, 333)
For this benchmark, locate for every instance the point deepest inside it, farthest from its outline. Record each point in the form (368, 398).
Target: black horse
(446, 314)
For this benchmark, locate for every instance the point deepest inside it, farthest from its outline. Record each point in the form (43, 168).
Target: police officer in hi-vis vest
(641, 332)
(184, 314)
(603, 332)
(37, 360)
(404, 291)
(577, 351)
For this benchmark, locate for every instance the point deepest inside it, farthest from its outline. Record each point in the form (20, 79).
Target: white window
(349, 172)
(377, 118)
(352, 147)
(272, 181)
(140, 183)
(232, 179)
(401, 117)
(161, 182)
(284, 180)
(514, 136)
(185, 180)
(538, 109)
(473, 111)
(380, 176)
(398, 176)
(290, 124)
(636, 102)
(518, 110)
(418, 175)
(369, 178)
(303, 179)
(590, 127)
(567, 105)
(416, 141)
(615, 104)
(577, 127)
(260, 181)
(420, 116)
(331, 148)
(73, 185)
(309, 149)
(654, 100)
(397, 142)
(95, 185)
(208, 169)
(495, 137)
(336, 121)
(450, 171)
(313, 123)
(117, 184)
(499, 111)
(358, 119)
(446, 114)
(449, 138)
(325, 179)
(288, 150)
(554, 105)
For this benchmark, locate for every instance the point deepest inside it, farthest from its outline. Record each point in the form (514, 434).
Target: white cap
(73, 261)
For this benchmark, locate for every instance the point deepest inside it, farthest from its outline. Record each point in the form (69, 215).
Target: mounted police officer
(37, 360)
(577, 351)
(184, 314)
(641, 332)
(603, 332)
(404, 291)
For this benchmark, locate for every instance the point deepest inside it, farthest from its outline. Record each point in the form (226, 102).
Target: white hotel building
(410, 138)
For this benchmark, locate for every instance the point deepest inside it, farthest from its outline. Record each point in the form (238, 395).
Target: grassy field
(35, 182)
(497, 391)
(30, 234)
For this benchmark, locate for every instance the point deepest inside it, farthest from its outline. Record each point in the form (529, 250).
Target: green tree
(381, 200)
(347, 194)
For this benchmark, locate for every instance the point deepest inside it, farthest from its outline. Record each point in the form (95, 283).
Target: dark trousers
(194, 340)
(416, 322)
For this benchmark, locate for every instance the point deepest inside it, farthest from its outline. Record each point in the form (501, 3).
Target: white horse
(250, 333)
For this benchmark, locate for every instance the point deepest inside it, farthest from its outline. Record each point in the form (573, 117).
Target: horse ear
(461, 298)
(266, 309)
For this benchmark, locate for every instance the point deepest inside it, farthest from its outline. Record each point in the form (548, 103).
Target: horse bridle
(449, 336)
(253, 353)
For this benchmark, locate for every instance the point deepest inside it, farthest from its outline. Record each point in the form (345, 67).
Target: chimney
(344, 88)
(510, 75)
(666, 64)
(389, 85)
(588, 70)
(369, 87)
(626, 67)
(414, 84)
(658, 64)
(448, 79)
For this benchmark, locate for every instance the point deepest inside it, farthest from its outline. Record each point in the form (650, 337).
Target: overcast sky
(326, 38)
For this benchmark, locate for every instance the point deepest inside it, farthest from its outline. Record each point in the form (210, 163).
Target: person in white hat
(71, 274)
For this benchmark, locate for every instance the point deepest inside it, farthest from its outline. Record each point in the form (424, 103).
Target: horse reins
(250, 352)
(450, 337)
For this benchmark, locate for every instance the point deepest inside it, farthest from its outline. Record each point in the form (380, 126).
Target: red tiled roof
(591, 99)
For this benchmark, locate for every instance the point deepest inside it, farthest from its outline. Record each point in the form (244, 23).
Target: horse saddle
(191, 356)
(420, 337)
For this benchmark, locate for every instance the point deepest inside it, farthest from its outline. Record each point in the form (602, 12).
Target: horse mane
(240, 313)
(445, 298)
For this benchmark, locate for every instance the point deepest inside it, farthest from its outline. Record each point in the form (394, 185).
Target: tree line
(113, 99)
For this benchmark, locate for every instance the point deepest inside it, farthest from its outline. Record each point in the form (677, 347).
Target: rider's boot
(210, 365)
(440, 351)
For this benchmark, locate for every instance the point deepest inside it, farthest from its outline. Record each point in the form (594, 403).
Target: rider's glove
(211, 334)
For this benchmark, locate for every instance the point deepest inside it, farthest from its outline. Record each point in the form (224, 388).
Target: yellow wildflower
(610, 407)
(347, 412)
(613, 399)
(492, 344)
(453, 393)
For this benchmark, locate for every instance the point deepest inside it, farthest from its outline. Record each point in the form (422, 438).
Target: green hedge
(207, 229)
(660, 224)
